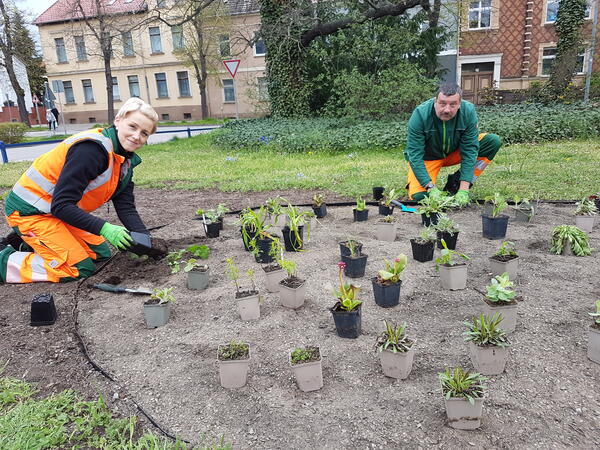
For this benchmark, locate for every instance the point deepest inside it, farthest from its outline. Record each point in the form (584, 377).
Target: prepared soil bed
(548, 397)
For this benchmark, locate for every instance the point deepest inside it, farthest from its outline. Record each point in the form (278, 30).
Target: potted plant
(385, 228)
(210, 221)
(447, 230)
(570, 240)
(306, 366)
(396, 351)
(273, 272)
(350, 247)
(197, 274)
(495, 224)
(378, 193)
(355, 262)
(488, 344)
(524, 211)
(248, 301)
(585, 214)
(463, 396)
(293, 232)
(360, 212)
(453, 275)
(347, 310)
(505, 260)
(221, 210)
(423, 245)
(157, 308)
(274, 207)
(431, 206)
(387, 283)
(292, 290)
(593, 350)
(234, 360)
(500, 298)
(385, 204)
(319, 206)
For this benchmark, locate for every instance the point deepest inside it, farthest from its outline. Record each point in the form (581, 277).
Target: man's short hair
(449, 89)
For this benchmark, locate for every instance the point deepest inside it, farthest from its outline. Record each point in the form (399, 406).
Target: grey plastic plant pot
(463, 415)
(309, 376)
(385, 231)
(593, 350)
(157, 315)
(397, 365)
(292, 297)
(198, 280)
(454, 277)
(499, 267)
(273, 278)
(234, 373)
(508, 312)
(585, 223)
(249, 307)
(488, 360)
(524, 215)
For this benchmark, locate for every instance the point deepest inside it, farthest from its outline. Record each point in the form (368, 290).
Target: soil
(504, 258)
(292, 282)
(547, 398)
(244, 294)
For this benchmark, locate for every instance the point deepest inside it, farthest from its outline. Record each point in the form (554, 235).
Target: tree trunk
(106, 46)
(201, 71)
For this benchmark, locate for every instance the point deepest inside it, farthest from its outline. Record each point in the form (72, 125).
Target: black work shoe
(453, 183)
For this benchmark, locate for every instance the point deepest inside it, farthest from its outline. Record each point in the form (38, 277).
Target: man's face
(133, 130)
(446, 106)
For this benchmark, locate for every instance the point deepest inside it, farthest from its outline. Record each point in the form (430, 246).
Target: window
(161, 85)
(259, 48)
(228, 91)
(61, 52)
(187, 116)
(127, 43)
(164, 116)
(224, 49)
(68, 88)
(80, 48)
(552, 10)
(155, 42)
(134, 85)
(263, 89)
(88, 93)
(115, 89)
(177, 35)
(548, 57)
(184, 84)
(480, 14)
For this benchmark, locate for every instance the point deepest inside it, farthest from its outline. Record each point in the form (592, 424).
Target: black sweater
(84, 162)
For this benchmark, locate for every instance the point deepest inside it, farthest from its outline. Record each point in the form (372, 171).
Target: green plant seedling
(427, 234)
(304, 355)
(318, 200)
(578, 239)
(498, 203)
(394, 339)
(596, 315)
(387, 197)
(193, 263)
(233, 273)
(199, 251)
(234, 350)
(392, 272)
(347, 292)
(499, 291)
(288, 265)
(585, 207)
(175, 259)
(447, 256)
(296, 219)
(163, 295)
(361, 204)
(445, 224)
(486, 330)
(435, 204)
(462, 383)
(507, 248)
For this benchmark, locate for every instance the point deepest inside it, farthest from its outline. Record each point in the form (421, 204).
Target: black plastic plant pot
(291, 241)
(355, 266)
(449, 238)
(422, 252)
(43, 311)
(345, 250)
(378, 193)
(220, 220)
(263, 246)
(320, 211)
(429, 220)
(494, 227)
(212, 229)
(347, 323)
(142, 243)
(386, 295)
(386, 210)
(360, 216)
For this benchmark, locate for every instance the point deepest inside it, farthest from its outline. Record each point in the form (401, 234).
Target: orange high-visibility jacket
(37, 184)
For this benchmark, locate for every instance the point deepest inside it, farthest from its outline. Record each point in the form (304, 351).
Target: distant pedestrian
(51, 119)
(56, 113)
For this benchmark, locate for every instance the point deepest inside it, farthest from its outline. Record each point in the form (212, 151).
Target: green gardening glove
(434, 193)
(462, 198)
(118, 236)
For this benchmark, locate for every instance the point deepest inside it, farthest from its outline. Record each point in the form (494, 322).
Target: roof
(63, 10)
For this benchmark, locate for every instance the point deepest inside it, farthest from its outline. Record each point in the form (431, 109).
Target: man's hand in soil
(118, 236)
(462, 198)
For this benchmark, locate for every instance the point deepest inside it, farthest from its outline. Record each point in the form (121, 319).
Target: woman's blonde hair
(137, 104)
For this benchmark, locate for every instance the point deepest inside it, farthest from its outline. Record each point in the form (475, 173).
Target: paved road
(29, 153)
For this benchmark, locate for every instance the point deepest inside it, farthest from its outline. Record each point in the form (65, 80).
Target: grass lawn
(552, 171)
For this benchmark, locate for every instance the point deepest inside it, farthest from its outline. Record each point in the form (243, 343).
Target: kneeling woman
(49, 207)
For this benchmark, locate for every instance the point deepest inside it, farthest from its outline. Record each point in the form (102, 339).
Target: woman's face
(133, 130)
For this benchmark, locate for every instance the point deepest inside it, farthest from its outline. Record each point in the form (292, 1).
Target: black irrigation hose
(98, 367)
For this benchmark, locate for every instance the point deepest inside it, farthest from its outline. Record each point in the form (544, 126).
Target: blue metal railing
(4, 146)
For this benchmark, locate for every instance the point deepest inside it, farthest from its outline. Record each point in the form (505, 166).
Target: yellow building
(145, 63)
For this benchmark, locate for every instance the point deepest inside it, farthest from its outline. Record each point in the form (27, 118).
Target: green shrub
(12, 132)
